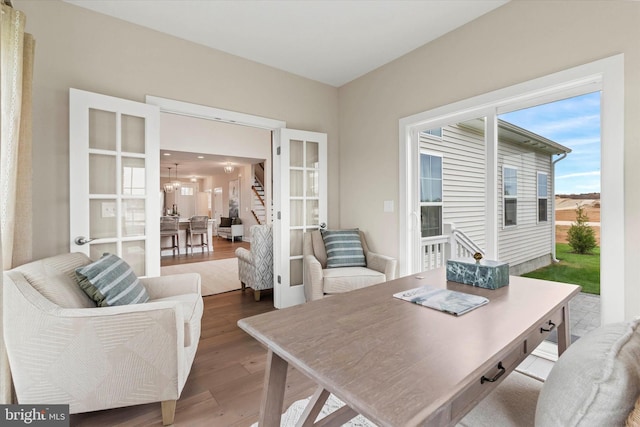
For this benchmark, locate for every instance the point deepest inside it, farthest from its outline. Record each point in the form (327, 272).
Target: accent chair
(63, 349)
(255, 266)
(326, 274)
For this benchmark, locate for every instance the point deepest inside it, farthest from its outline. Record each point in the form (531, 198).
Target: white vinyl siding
(529, 239)
(463, 192)
(463, 177)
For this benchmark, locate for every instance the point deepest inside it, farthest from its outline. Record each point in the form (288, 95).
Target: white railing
(434, 252)
(463, 245)
(453, 244)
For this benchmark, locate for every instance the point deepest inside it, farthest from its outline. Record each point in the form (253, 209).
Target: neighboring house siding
(529, 239)
(463, 179)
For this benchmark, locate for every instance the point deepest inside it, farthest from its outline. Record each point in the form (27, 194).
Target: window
(543, 196)
(430, 195)
(510, 194)
(433, 133)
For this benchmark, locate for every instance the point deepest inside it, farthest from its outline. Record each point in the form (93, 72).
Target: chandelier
(176, 184)
(228, 168)
(168, 186)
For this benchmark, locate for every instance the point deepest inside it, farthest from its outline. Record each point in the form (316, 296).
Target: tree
(581, 237)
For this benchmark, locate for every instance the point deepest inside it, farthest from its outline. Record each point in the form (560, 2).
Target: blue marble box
(483, 274)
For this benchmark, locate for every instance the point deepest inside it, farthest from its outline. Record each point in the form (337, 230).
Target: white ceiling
(330, 41)
(198, 165)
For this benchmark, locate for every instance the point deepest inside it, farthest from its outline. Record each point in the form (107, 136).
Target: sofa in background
(230, 228)
(64, 350)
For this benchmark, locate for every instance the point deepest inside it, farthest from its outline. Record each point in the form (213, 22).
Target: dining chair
(198, 226)
(169, 226)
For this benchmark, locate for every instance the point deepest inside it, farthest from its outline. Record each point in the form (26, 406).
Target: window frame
(538, 197)
(439, 204)
(509, 197)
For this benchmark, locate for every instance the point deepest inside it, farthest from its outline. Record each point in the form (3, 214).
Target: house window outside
(430, 194)
(510, 195)
(433, 133)
(543, 196)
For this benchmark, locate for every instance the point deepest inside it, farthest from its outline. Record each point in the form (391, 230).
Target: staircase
(257, 202)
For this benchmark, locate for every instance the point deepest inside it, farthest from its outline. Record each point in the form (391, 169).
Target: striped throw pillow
(111, 281)
(344, 248)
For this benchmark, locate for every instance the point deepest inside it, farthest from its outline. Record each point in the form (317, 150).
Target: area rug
(217, 276)
(293, 413)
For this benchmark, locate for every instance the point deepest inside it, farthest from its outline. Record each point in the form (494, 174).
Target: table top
(396, 362)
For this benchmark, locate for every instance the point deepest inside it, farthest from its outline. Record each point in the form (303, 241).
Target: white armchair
(64, 350)
(255, 266)
(320, 280)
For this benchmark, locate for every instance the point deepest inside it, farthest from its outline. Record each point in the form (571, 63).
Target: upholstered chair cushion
(596, 381)
(337, 280)
(111, 281)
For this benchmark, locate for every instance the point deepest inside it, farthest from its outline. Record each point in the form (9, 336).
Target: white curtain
(16, 75)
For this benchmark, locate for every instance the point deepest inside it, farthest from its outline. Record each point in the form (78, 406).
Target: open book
(452, 302)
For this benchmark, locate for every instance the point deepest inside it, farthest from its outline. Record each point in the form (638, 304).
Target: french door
(114, 196)
(300, 199)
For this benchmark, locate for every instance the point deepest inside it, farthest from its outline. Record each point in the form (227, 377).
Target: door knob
(81, 240)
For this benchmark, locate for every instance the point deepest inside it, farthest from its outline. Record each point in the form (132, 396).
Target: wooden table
(401, 364)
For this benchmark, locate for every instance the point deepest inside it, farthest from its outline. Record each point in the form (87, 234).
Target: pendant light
(176, 184)
(168, 186)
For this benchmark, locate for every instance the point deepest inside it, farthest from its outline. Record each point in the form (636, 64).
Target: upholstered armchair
(64, 350)
(255, 266)
(322, 278)
(596, 382)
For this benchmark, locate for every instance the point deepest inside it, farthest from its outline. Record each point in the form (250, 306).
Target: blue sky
(574, 123)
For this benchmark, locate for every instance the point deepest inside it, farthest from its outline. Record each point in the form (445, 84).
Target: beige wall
(517, 42)
(85, 50)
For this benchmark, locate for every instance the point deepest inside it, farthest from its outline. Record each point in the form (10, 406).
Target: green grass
(583, 270)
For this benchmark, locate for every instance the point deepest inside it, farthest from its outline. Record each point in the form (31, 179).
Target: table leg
(564, 331)
(275, 379)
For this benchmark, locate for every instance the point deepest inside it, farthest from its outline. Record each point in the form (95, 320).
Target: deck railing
(454, 243)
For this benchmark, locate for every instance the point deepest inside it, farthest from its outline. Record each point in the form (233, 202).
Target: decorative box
(482, 273)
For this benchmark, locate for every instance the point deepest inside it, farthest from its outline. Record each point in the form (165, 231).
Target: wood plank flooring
(222, 249)
(225, 383)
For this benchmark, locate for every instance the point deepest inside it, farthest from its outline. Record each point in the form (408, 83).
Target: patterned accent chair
(321, 280)
(255, 266)
(64, 350)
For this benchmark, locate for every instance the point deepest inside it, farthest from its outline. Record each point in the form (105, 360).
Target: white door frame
(606, 75)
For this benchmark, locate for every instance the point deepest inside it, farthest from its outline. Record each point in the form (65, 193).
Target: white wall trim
(211, 113)
(607, 75)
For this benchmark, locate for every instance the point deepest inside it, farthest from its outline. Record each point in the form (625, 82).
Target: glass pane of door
(304, 194)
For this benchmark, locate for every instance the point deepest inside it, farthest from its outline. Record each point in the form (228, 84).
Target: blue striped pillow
(111, 281)
(344, 248)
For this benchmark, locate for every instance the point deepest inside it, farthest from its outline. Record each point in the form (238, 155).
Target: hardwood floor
(225, 383)
(222, 249)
